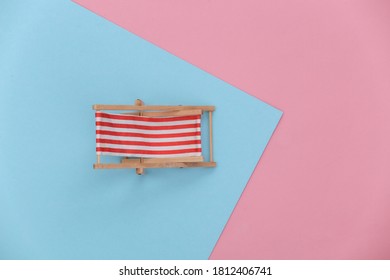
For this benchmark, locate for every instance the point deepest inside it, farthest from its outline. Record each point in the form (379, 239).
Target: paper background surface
(57, 59)
(322, 190)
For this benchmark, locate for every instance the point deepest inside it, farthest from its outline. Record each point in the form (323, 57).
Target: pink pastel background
(322, 187)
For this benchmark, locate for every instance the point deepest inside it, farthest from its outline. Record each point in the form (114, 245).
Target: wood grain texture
(139, 103)
(150, 108)
(173, 113)
(159, 160)
(137, 164)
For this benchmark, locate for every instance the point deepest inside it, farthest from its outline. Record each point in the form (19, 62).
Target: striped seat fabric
(148, 137)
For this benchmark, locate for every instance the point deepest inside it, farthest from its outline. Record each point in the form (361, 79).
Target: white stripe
(135, 130)
(148, 148)
(136, 122)
(151, 156)
(149, 140)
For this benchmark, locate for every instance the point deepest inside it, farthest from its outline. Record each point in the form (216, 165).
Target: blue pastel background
(56, 60)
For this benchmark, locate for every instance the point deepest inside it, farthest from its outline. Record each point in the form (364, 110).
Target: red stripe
(144, 152)
(154, 144)
(145, 135)
(146, 119)
(146, 127)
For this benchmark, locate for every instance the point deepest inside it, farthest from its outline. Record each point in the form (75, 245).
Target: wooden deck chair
(152, 136)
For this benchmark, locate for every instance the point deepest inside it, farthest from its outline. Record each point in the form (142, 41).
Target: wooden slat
(164, 160)
(151, 108)
(154, 165)
(139, 103)
(175, 113)
(211, 135)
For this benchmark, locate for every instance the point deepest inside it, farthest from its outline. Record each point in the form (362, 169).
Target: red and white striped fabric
(148, 137)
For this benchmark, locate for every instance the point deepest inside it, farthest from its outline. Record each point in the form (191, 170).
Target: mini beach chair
(152, 136)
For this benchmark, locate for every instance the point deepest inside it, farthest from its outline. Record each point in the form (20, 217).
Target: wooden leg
(139, 171)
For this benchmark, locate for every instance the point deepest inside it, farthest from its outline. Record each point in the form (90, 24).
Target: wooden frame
(140, 164)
